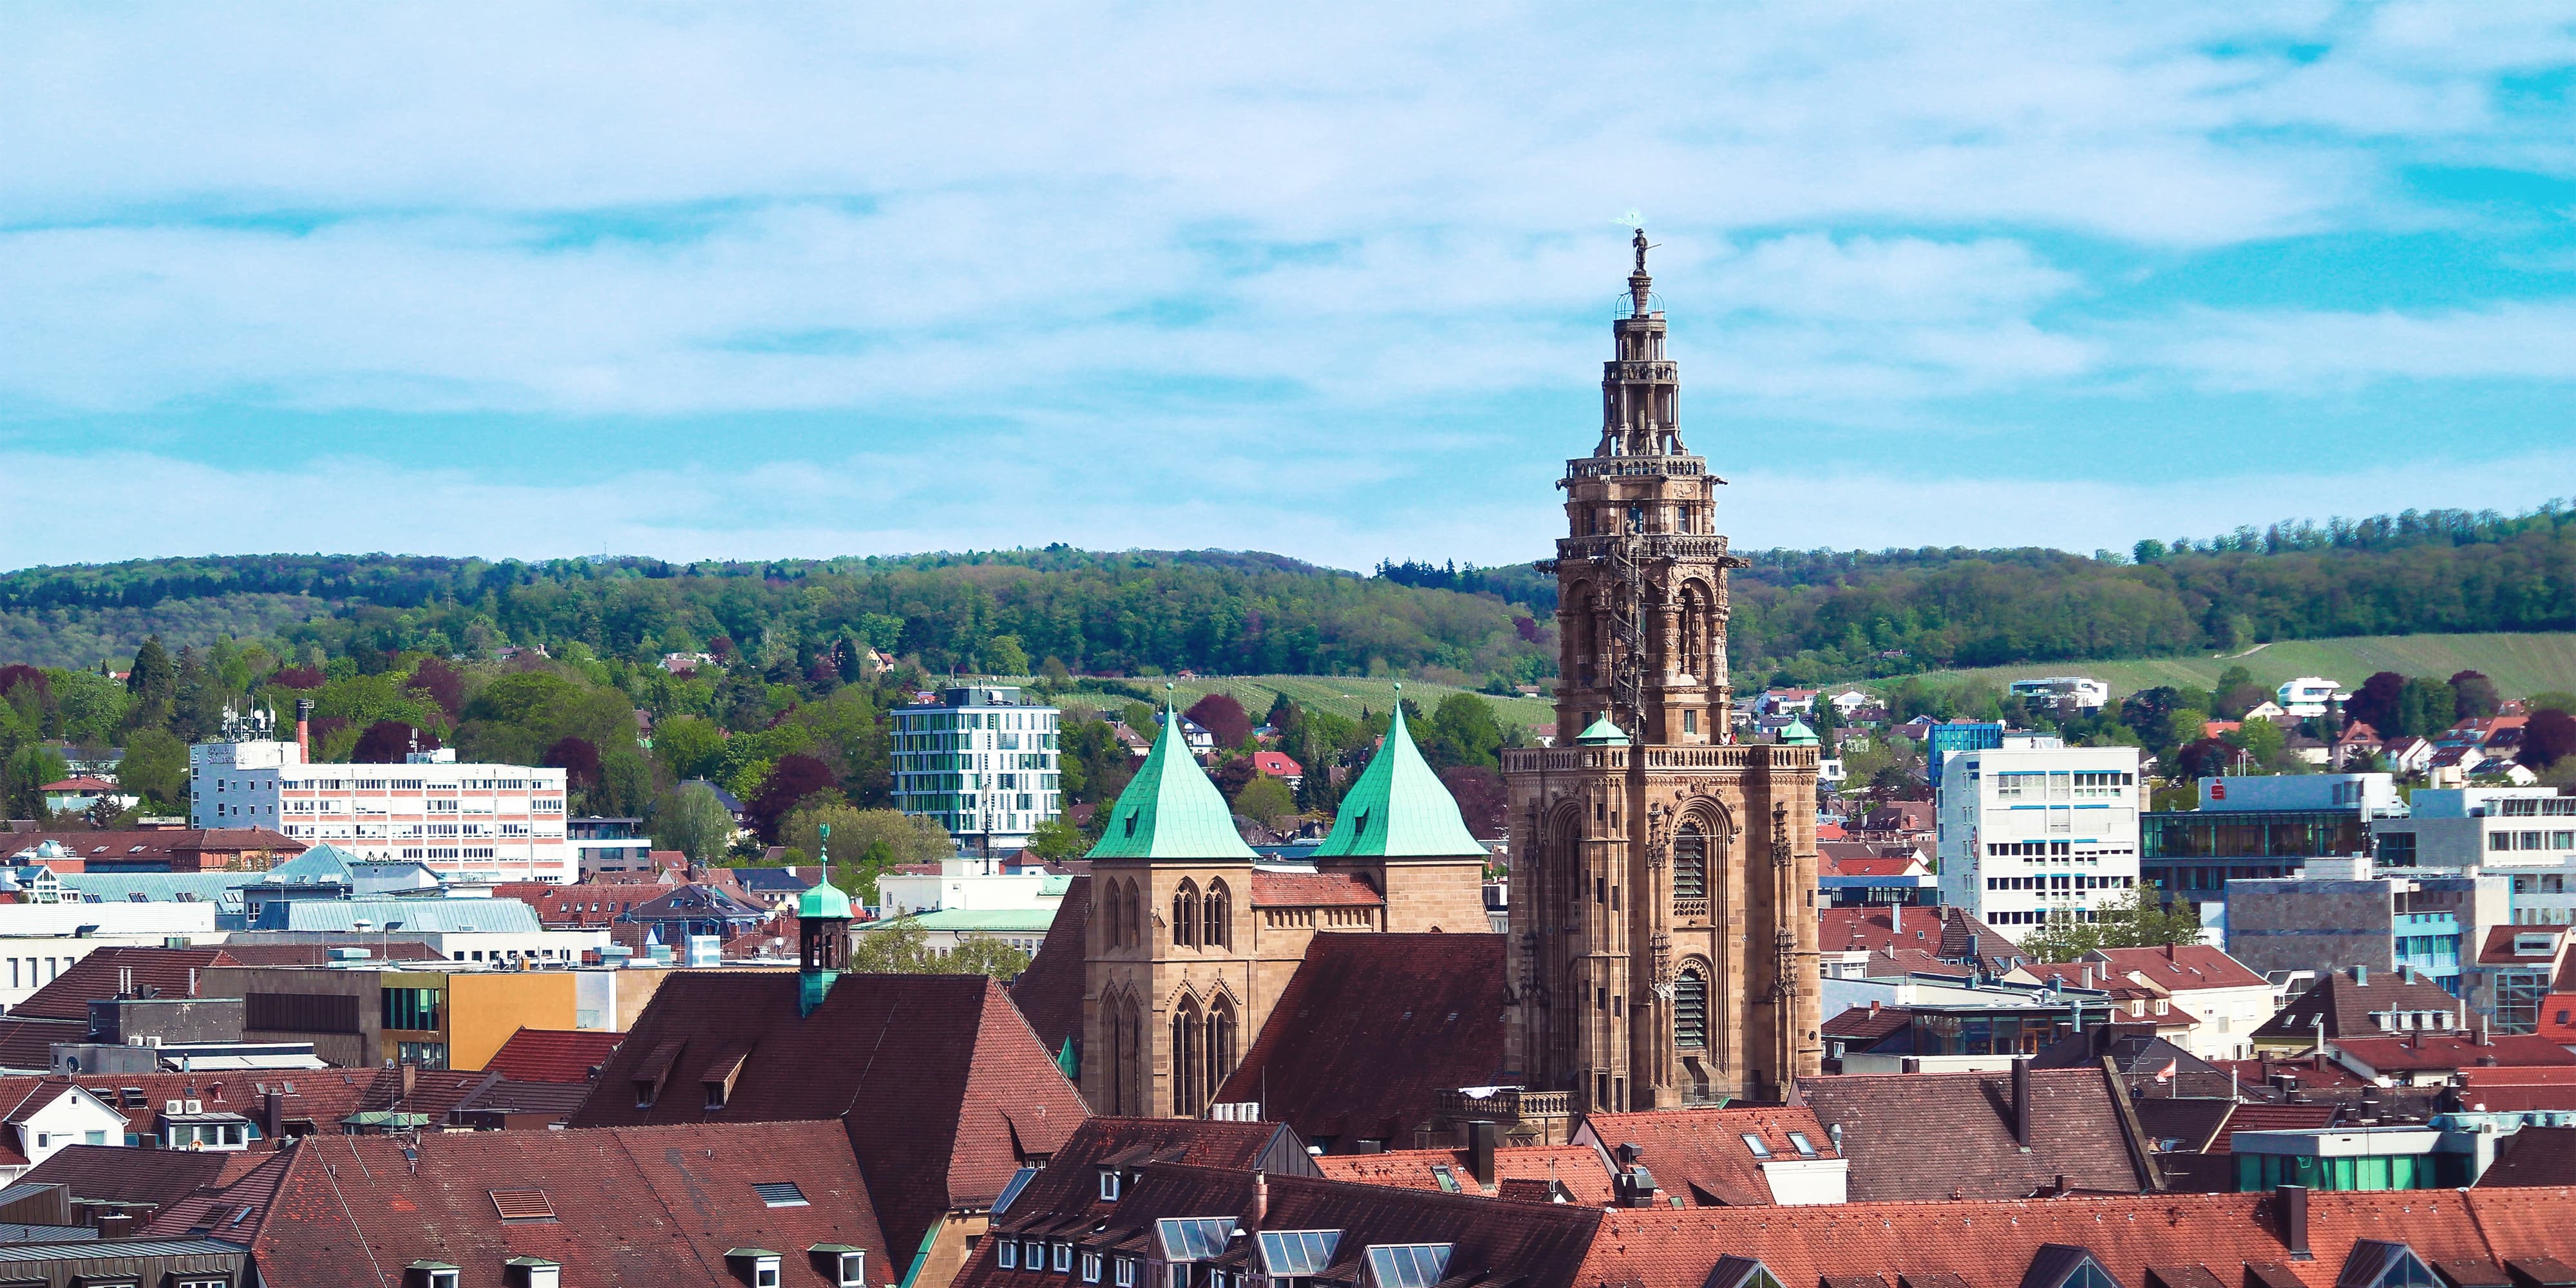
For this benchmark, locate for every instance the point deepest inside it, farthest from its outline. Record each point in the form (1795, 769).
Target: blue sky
(1331, 280)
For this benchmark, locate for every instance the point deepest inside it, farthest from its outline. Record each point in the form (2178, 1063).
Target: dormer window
(1108, 1185)
(531, 1272)
(842, 1265)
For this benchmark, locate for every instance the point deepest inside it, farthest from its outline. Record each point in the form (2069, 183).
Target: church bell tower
(1664, 875)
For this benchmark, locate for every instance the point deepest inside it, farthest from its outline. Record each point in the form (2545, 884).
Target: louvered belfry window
(1690, 863)
(1690, 1010)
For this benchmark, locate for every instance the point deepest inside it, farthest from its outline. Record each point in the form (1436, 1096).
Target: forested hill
(1797, 614)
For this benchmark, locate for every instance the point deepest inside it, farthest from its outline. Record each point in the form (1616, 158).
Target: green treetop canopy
(1170, 810)
(1399, 808)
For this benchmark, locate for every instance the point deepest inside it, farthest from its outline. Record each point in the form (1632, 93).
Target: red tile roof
(2531, 1156)
(553, 1055)
(1934, 1136)
(1578, 1168)
(115, 1173)
(1700, 1156)
(1944, 931)
(2499, 945)
(2423, 1052)
(1313, 890)
(186, 849)
(1532, 1245)
(581, 905)
(2180, 968)
(640, 1206)
(1371, 1028)
(941, 1086)
(2260, 1117)
(1277, 764)
(2348, 1004)
(1993, 1244)
(119, 972)
(1066, 1192)
(1049, 992)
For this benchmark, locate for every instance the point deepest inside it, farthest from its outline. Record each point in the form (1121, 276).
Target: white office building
(2525, 833)
(2034, 826)
(490, 822)
(2308, 695)
(981, 761)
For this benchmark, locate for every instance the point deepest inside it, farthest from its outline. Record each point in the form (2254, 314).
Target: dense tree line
(1798, 615)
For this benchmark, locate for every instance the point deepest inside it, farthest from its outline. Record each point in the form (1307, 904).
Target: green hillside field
(2520, 663)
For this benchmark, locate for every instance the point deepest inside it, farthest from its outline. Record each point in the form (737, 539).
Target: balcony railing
(1505, 1102)
(1686, 908)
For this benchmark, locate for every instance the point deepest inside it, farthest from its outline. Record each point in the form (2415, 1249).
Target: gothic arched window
(1216, 917)
(1690, 1009)
(1187, 1054)
(1185, 914)
(1222, 1037)
(1690, 863)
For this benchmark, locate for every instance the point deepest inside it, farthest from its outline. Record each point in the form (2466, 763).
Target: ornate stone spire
(1640, 388)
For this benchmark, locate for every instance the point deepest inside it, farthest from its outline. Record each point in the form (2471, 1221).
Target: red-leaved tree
(2548, 737)
(1222, 717)
(790, 781)
(386, 742)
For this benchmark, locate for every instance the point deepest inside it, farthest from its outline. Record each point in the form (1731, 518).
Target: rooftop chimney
(2361, 976)
(1896, 918)
(1480, 1150)
(2292, 1203)
(2021, 1103)
(1260, 1199)
(304, 730)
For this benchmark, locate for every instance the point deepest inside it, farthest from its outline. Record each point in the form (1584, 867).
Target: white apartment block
(981, 761)
(2307, 696)
(2034, 826)
(497, 822)
(2065, 692)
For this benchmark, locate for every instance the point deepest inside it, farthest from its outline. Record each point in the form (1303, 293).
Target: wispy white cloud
(1162, 264)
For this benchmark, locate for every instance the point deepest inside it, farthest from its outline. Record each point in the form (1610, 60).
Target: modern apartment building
(2255, 827)
(981, 761)
(2034, 826)
(2309, 695)
(502, 822)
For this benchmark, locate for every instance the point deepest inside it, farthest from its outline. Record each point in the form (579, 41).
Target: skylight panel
(1193, 1238)
(1297, 1252)
(779, 1193)
(1408, 1265)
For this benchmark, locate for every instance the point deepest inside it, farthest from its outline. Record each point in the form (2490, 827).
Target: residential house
(1531, 1173)
(2408, 754)
(46, 1115)
(158, 849)
(2436, 1059)
(573, 1056)
(1280, 766)
(2229, 1000)
(2355, 746)
(2515, 971)
(1948, 934)
(78, 793)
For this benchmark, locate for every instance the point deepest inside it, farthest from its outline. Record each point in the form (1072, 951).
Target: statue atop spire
(1640, 285)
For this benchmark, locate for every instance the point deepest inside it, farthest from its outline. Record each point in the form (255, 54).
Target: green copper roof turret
(1602, 733)
(1170, 810)
(1798, 735)
(1399, 808)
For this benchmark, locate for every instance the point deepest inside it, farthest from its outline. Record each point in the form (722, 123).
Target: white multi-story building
(981, 761)
(2308, 695)
(2526, 833)
(501, 822)
(2068, 693)
(2034, 826)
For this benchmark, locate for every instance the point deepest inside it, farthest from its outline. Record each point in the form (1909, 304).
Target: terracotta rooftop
(1066, 1193)
(2141, 1241)
(1945, 932)
(2423, 1052)
(1934, 1136)
(2532, 1156)
(2347, 1005)
(1371, 1028)
(2180, 967)
(1312, 890)
(1701, 1156)
(553, 1055)
(1577, 1167)
(636, 1206)
(1531, 1245)
(939, 1083)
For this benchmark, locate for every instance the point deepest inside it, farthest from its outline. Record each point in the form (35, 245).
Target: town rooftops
(2442, 1052)
(1398, 808)
(408, 916)
(1170, 810)
(2178, 968)
(1578, 1168)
